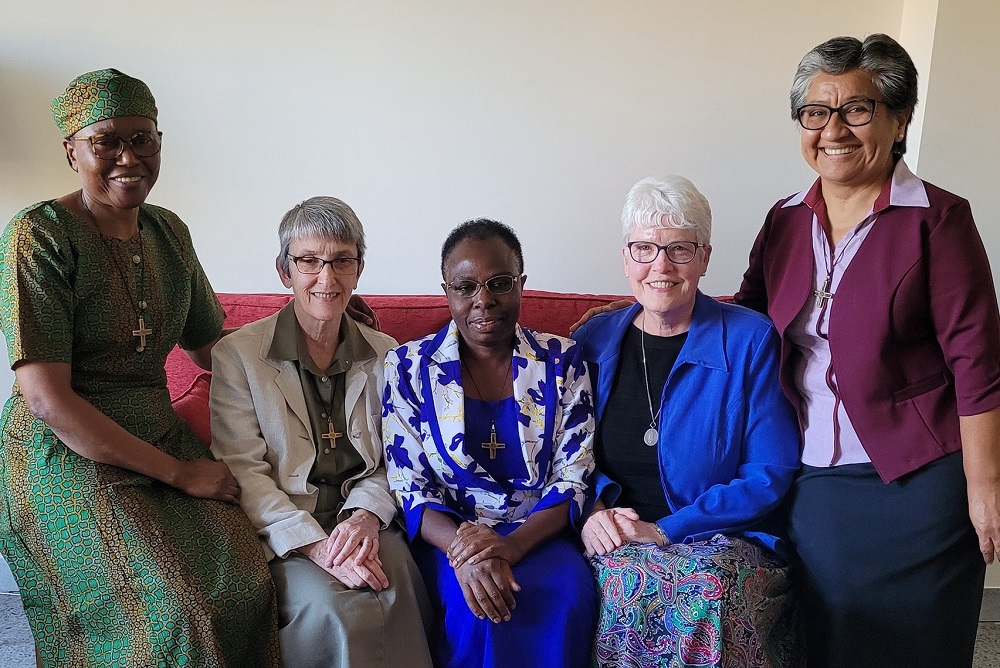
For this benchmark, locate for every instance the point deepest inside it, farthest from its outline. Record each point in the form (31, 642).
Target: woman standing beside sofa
(296, 400)
(111, 516)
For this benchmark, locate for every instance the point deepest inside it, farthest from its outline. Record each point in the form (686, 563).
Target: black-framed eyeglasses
(498, 285)
(678, 252)
(110, 146)
(855, 113)
(309, 264)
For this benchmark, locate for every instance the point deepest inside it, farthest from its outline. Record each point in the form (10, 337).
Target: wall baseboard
(990, 612)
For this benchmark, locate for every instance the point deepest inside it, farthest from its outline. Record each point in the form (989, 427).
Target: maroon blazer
(914, 327)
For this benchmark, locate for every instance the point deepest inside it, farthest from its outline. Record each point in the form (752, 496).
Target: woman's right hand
(205, 478)
(613, 306)
(368, 573)
(488, 587)
(601, 532)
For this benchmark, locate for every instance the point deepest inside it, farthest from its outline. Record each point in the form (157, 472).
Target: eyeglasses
(498, 285)
(307, 264)
(854, 113)
(110, 146)
(678, 252)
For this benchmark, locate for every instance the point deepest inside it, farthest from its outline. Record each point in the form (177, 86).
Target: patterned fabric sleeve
(573, 458)
(205, 315)
(36, 291)
(411, 477)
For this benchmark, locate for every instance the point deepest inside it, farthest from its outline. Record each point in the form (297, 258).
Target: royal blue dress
(435, 459)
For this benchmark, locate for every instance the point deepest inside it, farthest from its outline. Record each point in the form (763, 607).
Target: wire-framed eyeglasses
(498, 285)
(678, 252)
(854, 113)
(108, 146)
(309, 264)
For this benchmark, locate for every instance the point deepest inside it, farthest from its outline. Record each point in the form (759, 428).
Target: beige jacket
(261, 430)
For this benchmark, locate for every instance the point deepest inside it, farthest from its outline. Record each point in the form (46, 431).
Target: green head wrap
(97, 96)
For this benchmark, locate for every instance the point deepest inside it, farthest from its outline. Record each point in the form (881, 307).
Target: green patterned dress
(115, 568)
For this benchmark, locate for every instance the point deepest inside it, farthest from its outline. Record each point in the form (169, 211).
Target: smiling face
(852, 157)
(118, 184)
(485, 320)
(666, 290)
(320, 299)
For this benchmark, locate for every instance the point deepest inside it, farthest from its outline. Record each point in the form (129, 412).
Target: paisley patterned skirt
(721, 603)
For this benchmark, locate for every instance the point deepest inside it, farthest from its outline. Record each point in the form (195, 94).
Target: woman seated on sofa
(696, 445)
(488, 430)
(295, 415)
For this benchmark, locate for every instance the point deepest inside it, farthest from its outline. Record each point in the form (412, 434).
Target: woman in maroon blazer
(882, 292)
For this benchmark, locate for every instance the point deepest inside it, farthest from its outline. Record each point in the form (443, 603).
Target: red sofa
(404, 317)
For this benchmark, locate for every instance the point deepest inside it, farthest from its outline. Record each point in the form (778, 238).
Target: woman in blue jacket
(696, 446)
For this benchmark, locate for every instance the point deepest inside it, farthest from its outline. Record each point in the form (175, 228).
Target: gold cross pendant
(142, 332)
(331, 434)
(492, 445)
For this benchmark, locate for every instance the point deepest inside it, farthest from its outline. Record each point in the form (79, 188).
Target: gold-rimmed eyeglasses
(107, 146)
(498, 285)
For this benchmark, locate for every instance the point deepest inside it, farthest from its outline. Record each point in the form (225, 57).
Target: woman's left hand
(477, 542)
(637, 531)
(984, 511)
(355, 539)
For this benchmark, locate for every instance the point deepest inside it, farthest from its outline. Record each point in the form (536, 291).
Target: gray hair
(673, 202)
(322, 217)
(890, 66)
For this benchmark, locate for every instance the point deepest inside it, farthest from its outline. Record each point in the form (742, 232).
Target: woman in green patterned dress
(123, 534)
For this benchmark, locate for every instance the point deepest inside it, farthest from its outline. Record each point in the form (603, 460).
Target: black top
(621, 453)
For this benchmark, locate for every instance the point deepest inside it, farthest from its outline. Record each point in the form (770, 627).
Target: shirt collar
(285, 345)
(904, 188)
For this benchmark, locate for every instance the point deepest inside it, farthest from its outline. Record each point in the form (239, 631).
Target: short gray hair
(890, 66)
(322, 217)
(673, 202)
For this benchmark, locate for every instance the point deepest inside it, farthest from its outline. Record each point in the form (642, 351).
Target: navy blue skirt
(890, 575)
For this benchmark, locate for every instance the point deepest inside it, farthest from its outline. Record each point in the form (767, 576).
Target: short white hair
(673, 202)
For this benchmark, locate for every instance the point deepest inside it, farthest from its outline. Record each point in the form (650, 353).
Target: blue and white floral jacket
(423, 424)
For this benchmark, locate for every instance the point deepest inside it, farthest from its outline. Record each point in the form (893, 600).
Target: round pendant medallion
(650, 437)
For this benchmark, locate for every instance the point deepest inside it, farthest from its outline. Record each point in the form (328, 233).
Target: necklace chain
(492, 445)
(138, 302)
(651, 433)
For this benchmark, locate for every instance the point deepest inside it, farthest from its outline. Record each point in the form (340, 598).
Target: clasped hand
(350, 553)
(607, 530)
(482, 561)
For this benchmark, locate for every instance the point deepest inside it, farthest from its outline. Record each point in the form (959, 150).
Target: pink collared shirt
(829, 437)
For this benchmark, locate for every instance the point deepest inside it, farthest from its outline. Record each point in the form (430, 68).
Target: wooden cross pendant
(492, 445)
(823, 293)
(331, 434)
(142, 332)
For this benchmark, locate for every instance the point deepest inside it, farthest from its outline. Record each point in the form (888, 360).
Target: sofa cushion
(192, 406)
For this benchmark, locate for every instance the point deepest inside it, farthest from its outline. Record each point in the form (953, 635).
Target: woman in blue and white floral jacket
(488, 430)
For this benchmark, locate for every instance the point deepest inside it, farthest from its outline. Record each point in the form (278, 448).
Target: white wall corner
(916, 33)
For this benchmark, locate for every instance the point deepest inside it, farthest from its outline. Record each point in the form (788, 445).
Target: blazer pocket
(919, 387)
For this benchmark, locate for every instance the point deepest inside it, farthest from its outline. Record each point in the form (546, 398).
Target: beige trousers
(325, 624)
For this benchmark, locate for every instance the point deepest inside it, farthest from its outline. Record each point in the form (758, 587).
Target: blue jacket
(729, 440)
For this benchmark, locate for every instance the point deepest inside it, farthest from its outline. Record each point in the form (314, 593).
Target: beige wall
(421, 115)
(961, 151)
